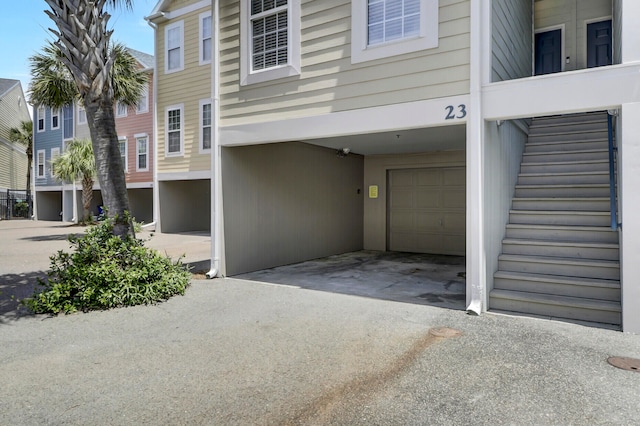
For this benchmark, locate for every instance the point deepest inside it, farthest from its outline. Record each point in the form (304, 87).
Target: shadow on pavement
(14, 288)
(61, 237)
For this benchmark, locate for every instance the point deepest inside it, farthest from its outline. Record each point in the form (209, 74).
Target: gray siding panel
(512, 39)
(46, 140)
(289, 202)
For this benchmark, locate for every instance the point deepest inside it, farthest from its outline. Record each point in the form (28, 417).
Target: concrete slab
(423, 279)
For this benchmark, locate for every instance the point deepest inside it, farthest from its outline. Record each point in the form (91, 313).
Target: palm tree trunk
(110, 170)
(87, 196)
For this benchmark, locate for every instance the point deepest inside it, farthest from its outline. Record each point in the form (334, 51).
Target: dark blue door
(548, 52)
(599, 44)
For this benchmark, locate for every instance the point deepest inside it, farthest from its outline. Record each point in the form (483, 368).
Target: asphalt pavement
(239, 352)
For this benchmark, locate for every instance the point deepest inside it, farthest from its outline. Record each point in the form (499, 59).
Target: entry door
(548, 52)
(599, 42)
(426, 210)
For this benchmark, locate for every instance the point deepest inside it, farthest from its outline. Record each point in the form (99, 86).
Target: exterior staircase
(560, 257)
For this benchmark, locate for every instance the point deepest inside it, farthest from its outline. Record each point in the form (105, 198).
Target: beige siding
(329, 82)
(13, 160)
(511, 39)
(289, 202)
(572, 15)
(186, 87)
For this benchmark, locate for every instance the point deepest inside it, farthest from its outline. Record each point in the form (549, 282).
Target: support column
(629, 163)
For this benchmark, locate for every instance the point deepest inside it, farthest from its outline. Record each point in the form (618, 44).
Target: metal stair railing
(613, 153)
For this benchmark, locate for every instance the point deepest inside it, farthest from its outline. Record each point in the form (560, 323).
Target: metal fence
(15, 204)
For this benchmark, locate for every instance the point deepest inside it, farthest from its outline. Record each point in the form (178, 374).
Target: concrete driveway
(238, 352)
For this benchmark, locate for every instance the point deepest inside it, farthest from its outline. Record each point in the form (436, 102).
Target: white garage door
(426, 210)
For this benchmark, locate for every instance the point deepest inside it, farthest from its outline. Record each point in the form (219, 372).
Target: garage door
(426, 210)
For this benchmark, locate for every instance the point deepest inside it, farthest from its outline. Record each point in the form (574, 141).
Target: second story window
(40, 159)
(142, 153)
(174, 49)
(173, 123)
(143, 103)
(383, 28)
(122, 145)
(389, 20)
(67, 117)
(41, 114)
(82, 115)
(55, 118)
(205, 38)
(205, 125)
(121, 109)
(55, 153)
(270, 40)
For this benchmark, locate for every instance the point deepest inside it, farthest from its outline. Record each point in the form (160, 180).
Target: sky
(24, 30)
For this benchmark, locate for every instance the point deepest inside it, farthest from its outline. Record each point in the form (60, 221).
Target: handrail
(612, 175)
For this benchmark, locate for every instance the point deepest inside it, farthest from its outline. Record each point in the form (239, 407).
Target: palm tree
(91, 61)
(78, 162)
(23, 134)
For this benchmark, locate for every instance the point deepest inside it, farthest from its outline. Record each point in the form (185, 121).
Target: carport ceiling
(399, 141)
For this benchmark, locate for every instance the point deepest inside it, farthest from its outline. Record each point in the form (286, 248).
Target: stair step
(591, 234)
(555, 120)
(563, 266)
(600, 204)
(588, 288)
(565, 156)
(567, 126)
(579, 190)
(567, 146)
(602, 311)
(601, 177)
(574, 250)
(566, 166)
(559, 217)
(568, 136)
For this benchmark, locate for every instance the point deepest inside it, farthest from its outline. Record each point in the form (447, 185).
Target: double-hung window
(55, 118)
(121, 109)
(174, 47)
(143, 103)
(142, 153)
(205, 125)
(122, 146)
(270, 32)
(205, 38)
(41, 115)
(82, 115)
(67, 122)
(382, 28)
(40, 159)
(174, 117)
(55, 153)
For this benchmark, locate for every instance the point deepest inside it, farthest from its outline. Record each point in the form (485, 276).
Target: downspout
(156, 189)
(216, 175)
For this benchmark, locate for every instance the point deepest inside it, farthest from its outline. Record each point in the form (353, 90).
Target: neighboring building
(54, 128)
(183, 38)
(473, 127)
(13, 157)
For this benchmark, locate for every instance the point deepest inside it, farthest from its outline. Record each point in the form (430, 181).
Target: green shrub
(21, 209)
(106, 271)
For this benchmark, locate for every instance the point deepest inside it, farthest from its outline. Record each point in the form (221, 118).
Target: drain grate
(630, 364)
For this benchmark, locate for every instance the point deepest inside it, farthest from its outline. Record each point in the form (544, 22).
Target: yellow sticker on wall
(373, 191)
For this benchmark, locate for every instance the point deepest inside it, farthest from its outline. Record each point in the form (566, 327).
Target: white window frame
(362, 52)
(55, 113)
(179, 107)
(55, 153)
(204, 102)
(125, 163)
(143, 107)
(64, 125)
(292, 68)
(120, 106)
(138, 137)
(41, 162)
(202, 38)
(82, 115)
(41, 119)
(180, 26)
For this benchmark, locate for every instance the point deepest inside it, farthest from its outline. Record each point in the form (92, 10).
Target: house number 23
(452, 113)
